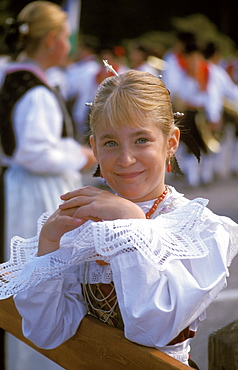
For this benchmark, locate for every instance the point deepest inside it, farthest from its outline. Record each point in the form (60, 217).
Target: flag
(73, 9)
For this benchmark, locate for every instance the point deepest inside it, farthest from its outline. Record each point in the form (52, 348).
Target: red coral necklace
(147, 215)
(156, 203)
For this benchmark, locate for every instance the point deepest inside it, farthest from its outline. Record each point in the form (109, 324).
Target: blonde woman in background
(42, 157)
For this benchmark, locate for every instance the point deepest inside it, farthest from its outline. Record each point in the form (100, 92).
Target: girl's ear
(173, 141)
(93, 145)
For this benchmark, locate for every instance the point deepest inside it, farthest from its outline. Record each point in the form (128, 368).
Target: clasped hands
(79, 206)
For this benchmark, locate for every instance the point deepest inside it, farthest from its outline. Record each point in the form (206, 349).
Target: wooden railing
(223, 348)
(94, 346)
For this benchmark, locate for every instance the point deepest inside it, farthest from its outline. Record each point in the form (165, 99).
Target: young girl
(142, 257)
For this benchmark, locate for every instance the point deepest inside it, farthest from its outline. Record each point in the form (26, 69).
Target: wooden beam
(223, 348)
(95, 345)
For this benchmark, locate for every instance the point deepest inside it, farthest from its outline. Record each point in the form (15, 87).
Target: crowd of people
(51, 105)
(202, 85)
(202, 89)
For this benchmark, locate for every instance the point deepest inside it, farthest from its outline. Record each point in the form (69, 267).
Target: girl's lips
(129, 175)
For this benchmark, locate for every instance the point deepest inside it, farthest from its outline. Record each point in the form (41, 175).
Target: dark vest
(15, 85)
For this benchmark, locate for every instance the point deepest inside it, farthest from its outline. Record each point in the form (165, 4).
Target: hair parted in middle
(131, 98)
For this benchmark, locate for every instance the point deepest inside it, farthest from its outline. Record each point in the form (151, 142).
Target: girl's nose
(126, 158)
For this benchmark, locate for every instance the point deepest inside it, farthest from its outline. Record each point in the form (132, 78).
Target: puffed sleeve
(157, 305)
(158, 302)
(53, 311)
(38, 124)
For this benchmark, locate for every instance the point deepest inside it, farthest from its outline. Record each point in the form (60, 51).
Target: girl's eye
(110, 144)
(142, 140)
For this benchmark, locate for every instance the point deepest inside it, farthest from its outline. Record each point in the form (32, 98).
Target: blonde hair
(42, 17)
(132, 98)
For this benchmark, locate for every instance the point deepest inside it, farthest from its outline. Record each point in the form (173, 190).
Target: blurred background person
(109, 53)
(57, 78)
(225, 160)
(231, 65)
(4, 61)
(42, 157)
(175, 61)
(138, 53)
(114, 57)
(193, 85)
(82, 83)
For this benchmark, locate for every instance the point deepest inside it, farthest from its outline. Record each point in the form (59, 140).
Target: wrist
(46, 246)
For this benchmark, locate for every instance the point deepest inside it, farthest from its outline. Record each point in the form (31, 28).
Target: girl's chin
(133, 193)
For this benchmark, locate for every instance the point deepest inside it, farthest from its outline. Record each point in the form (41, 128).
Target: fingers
(91, 203)
(61, 222)
(71, 221)
(67, 220)
(75, 202)
(89, 218)
(75, 217)
(57, 225)
(82, 197)
(86, 191)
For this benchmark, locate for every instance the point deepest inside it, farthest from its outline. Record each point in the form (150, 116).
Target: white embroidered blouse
(166, 272)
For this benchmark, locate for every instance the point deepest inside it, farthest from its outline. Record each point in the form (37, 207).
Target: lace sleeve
(170, 236)
(233, 247)
(174, 235)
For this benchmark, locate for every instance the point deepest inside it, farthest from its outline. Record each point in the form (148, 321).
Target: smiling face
(132, 159)
(133, 133)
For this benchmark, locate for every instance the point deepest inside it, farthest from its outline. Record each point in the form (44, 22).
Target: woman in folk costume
(142, 258)
(42, 157)
(81, 83)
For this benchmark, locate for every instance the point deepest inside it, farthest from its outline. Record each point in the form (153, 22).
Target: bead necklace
(156, 203)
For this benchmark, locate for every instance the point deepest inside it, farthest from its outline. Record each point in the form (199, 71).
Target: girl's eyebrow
(141, 132)
(106, 136)
(133, 134)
